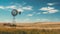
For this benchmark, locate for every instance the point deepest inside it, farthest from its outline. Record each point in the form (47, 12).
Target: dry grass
(31, 28)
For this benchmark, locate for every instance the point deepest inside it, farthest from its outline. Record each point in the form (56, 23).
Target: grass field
(53, 28)
(32, 31)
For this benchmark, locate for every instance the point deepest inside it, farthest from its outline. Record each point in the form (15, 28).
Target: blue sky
(32, 10)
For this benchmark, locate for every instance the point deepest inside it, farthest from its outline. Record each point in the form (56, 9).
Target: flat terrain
(31, 28)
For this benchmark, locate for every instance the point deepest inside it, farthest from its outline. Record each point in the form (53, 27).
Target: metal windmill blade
(14, 12)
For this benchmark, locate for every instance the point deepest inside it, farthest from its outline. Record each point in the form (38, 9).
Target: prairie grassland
(29, 31)
(35, 28)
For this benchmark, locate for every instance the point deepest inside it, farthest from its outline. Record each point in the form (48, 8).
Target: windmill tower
(14, 14)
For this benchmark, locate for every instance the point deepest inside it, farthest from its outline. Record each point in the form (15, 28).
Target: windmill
(14, 14)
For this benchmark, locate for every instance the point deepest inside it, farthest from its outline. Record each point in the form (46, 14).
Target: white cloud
(11, 7)
(19, 7)
(27, 8)
(24, 8)
(20, 10)
(50, 4)
(45, 12)
(30, 15)
(49, 9)
(44, 8)
(2, 7)
(53, 11)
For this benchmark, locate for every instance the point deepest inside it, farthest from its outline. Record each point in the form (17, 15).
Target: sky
(31, 10)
